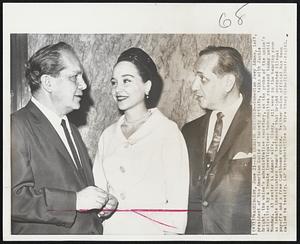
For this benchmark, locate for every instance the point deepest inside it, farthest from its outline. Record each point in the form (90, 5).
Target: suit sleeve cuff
(61, 206)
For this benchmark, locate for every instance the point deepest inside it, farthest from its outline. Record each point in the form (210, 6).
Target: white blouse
(149, 175)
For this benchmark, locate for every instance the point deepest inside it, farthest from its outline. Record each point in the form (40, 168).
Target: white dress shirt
(228, 113)
(55, 121)
(149, 170)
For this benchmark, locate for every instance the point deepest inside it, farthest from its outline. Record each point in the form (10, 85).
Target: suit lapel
(45, 127)
(197, 148)
(238, 123)
(85, 161)
(240, 120)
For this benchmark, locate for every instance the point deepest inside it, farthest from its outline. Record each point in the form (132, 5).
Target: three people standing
(147, 178)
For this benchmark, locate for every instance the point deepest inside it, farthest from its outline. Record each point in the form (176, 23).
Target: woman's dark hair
(147, 70)
(46, 60)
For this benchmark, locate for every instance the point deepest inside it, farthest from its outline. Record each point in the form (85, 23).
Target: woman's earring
(147, 96)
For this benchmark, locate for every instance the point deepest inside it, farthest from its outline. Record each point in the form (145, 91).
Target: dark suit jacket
(45, 180)
(220, 197)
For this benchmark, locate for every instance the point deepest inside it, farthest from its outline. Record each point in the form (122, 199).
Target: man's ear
(229, 80)
(148, 86)
(46, 82)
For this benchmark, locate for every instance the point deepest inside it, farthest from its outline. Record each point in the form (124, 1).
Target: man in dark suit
(219, 146)
(52, 184)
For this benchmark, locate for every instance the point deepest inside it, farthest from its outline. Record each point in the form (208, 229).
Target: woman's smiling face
(128, 87)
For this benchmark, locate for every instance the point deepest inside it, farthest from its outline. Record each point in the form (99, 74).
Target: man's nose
(81, 83)
(196, 86)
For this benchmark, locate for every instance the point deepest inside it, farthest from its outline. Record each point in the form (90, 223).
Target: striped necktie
(214, 145)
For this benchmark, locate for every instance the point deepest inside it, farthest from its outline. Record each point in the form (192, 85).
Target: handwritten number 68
(226, 22)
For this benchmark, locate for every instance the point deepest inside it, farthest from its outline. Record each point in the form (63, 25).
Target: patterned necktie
(73, 150)
(214, 145)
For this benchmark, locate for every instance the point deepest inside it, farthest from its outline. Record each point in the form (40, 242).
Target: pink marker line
(156, 221)
(134, 210)
(150, 210)
(138, 210)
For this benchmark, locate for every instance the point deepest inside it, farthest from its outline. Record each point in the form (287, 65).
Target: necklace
(137, 121)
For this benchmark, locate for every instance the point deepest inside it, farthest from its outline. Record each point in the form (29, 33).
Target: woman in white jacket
(142, 158)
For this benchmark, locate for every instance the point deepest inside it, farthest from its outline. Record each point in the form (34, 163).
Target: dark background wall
(174, 54)
(18, 57)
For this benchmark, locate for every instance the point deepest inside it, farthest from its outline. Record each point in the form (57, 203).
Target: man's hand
(91, 197)
(110, 206)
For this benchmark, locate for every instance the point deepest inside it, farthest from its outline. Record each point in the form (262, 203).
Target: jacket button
(204, 203)
(122, 169)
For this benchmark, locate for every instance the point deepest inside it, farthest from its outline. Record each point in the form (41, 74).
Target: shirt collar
(54, 119)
